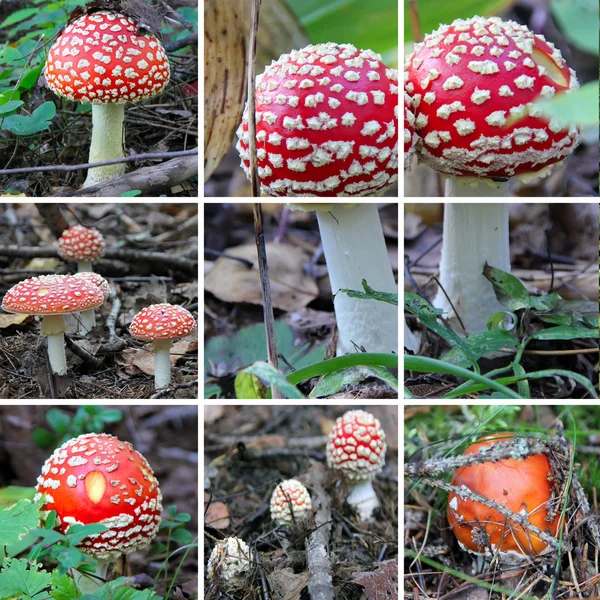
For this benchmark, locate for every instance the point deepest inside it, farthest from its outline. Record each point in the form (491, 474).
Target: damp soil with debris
(247, 452)
(153, 261)
(168, 438)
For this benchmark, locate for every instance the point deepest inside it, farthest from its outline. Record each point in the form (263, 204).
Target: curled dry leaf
(231, 281)
(225, 68)
(217, 514)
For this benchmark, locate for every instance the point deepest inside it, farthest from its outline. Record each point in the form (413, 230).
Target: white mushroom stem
(87, 321)
(355, 249)
(53, 326)
(411, 341)
(473, 187)
(89, 584)
(107, 142)
(473, 235)
(162, 362)
(84, 266)
(363, 498)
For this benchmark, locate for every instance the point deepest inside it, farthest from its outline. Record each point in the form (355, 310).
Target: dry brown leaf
(212, 413)
(7, 320)
(286, 584)
(224, 77)
(143, 358)
(231, 281)
(217, 514)
(382, 583)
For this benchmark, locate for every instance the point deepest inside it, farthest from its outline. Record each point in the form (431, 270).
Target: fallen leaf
(217, 514)
(381, 583)
(213, 412)
(143, 358)
(9, 319)
(231, 281)
(286, 584)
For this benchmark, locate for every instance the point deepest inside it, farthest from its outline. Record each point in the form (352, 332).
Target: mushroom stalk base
(355, 249)
(363, 499)
(471, 187)
(87, 321)
(53, 326)
(89, 584)
(162, 363)
(107, 142)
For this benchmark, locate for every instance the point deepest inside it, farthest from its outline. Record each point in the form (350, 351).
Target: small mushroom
(523, 485)
(85, 245)
(356, 448)
(161, 324)
(51, 297)
(230, 564)
(97, 478)
(290, 503)
(103, 59)
(473, 86)
(87, 320)
(326, 123)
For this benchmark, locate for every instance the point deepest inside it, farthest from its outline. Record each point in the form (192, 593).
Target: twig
(188, 40)
(125, 254)
(147, 180)
(263, 268)
(252, 97)
(320, 581)
(166, 391)
(84, 355)
(115, 343)
(114, 161)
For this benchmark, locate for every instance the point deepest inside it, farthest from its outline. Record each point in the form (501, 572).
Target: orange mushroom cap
(524, 486)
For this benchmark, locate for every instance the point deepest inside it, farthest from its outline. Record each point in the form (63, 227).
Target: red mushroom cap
(162, 322)
(97, 280)
(290, 498)
(96, 478)
(357, 445)
(410, 139)
(524, 486)
(473, 85)
(81, 244)
(326, 123)
(99, 58)
(52, 295)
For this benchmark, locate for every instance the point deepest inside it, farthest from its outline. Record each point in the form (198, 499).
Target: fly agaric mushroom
(473, 85)
(355, 249)
(230, 564)
(161, 324)
(290, 503)
(102, 59)
(356, 448)
(326, 123)
(96, 478)
(410, 137)
(53, 296)
(473, 235)
(83, 245)
(522, 485)
(87, 320)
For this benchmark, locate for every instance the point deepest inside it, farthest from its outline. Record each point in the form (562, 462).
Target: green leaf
(364, 24)
(111, 415)
(249, 387)
(10, 106)
(579, 107)
(63, 587)
(30, 78)
(13, 493)
(19, 15)
(183, 518)
(182, 536)
(58, 420)
(578, 20)
(77, 533)
(131, 193)
(119, 590)
(480, 344)
(274, 377)
(19, 579)
(566, 332)
(16, 521)
(332, 383)
(371, 294)
(42, 438)
(38, 121)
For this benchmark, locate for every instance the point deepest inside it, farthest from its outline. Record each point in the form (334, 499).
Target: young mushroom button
(522, 485)
(84, 245)
(96, 478)
(326, 123)
(290, 503)
(161, 324)
(102, 59)
(53, 296)
(473, 85)
(356, 448)
(230, 564)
